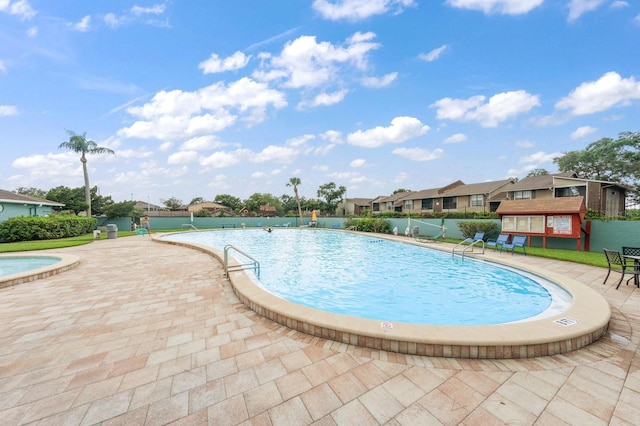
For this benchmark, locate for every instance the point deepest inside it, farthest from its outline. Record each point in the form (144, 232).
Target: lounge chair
(497, 242)
(617, 263)
(516, 241)
(478, 237)
(433, 239)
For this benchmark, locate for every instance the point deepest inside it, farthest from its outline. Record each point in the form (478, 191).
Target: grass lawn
(587, 258)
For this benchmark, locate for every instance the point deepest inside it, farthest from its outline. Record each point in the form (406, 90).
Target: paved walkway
(149, 333)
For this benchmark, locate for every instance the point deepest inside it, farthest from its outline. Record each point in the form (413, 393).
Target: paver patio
(148, 333)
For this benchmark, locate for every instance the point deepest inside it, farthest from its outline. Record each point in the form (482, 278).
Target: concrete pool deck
(148, 333)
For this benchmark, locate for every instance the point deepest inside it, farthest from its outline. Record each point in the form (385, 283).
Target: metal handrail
(351, 228)
(254, 264)
(467, 244)
(189, 225)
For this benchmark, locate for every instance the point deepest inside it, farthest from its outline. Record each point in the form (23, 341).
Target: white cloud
(20, 8)
(222, 159)
(183, 157)
(376, 82)
(3, 67)
(231, 63)
(201, 143)
(6, 110)
(157, 9)
(637, 19)
(579, 7)
(400, 130)
(434, 54)
(113, 21)
(82, 25)
(523, 171)
(178, 114)
(419, 154)
(594, 96)
(165, 146)
(358, 162)
(325, 99)
(457, 138)
(539, 157)
(306, 63)
(582, 132)
(499, 108)
(32, 32)
(504, 7)
(333, 136)
(524, 144)
(355, 10)
(619, 4)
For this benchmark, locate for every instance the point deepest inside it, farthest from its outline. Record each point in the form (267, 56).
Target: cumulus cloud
(6, 110)
(83, 25)
(201, 143)
(3, 67)
(307, 63)
(619, 4)
(146, 15)
(377, 82)
(176, 113)
(539, 157)
(356, 10)
(579, 7)
(358, 162)
(594, 96)
(401, 129)
(524, 144)
(182, 157)
(503, 7)
(582, 132)
(457, 138)
(498, 108)
(215, 64)
(19, 8)
(418, 154)
(434, 54)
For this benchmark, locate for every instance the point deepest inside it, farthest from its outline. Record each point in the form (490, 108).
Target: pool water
(379, 279)
(15, 265)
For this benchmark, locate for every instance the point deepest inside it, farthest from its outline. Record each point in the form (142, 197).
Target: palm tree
(80, 144)
(295, 181)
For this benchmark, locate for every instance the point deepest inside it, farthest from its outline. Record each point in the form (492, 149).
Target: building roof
(363, 202)
(478, 188)
(12, 197)
(560, 205)
(538, 182)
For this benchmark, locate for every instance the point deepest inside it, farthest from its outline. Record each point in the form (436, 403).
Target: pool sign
(386, 325)
(567, 321)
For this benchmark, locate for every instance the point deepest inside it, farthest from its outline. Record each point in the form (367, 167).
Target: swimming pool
(374, 278)
(18, 268)
(585, 321)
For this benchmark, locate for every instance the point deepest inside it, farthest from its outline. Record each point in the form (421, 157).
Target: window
(449, 203)
(570, 191)
(427, 204)
(408, 204)
(376, 207)
(522, 195)
(477, 200)
(523, 224)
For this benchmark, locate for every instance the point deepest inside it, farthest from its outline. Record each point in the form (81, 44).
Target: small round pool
(20, 268)
(374, 278)
(15, 264)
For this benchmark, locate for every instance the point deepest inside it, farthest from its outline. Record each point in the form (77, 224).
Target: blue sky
(199, 98)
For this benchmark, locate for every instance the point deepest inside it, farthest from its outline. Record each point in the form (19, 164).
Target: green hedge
(368, 224)
(30, 228)
(469, 229)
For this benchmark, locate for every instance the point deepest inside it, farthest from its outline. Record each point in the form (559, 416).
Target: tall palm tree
(295, 181)
(81, 145)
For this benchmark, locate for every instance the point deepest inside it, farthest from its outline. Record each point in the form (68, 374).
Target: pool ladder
(351, 228)
(466, 246)
(254, 264)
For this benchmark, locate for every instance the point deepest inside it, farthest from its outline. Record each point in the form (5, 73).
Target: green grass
(587, 258)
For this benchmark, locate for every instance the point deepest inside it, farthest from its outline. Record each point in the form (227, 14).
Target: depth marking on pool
(567, 321)
(386, 325)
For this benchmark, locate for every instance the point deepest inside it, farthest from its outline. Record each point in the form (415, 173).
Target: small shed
(547, 217)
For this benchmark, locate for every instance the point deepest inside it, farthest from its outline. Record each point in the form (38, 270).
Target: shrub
(469, 229)
(30, 228)
(369, 224)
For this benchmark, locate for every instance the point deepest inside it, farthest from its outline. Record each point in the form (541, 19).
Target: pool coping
(584, 322)
(67, 261)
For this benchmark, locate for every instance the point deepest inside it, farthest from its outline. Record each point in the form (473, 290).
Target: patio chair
(516, 241)
(617, 263)
(497, 242)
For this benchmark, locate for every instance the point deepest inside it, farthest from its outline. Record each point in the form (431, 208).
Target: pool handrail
(351, 228)
(254, 264)
(467, 244)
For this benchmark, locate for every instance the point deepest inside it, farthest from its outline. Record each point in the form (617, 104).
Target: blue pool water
(379, 279)
(12, 265)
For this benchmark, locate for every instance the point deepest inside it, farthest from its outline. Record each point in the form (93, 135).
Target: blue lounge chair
(516, 241)
(497, 242)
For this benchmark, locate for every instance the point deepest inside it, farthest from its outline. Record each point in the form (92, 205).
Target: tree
(399, 190)
(295, 181)
(331, 196)
(234, 203)
(607, 159)
(123, 209)
(256, 200)
(31, 192)
(172, 203)
(81, 145)
(73, 199)
(197, 200)
(537, 172)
